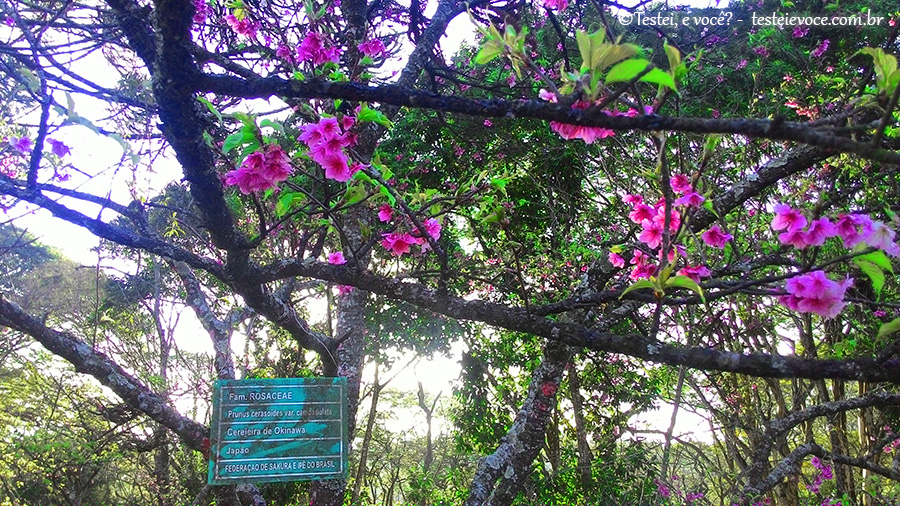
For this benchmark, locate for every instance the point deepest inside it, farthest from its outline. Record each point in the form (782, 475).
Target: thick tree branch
(638, 346)
(118, 235)
(88, 361)
(790, 465)
(757, 477)
(498, 108)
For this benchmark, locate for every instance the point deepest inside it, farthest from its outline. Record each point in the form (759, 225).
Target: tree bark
(509, 464)
(585, 458)
(367, 441)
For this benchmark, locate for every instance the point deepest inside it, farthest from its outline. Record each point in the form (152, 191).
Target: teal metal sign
(278, 430)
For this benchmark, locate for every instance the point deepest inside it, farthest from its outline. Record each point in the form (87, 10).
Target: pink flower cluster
(813, 292)
(243, 26)
(313, 49)
(823, 475)
(399, 243)
(681, 185)
(373, 48)
(201, 11)
(852, 228)
(327, 140)
(263, 169)
(652, 220)
(569, 132)
(556, 5)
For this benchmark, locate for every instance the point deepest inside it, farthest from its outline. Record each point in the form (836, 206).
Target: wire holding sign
(287, 429)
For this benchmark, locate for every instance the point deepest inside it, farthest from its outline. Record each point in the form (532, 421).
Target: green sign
(278, 430)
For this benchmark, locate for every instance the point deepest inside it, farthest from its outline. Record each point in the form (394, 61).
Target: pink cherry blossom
(327, 140)
(201, 11)
(336, 167)
(58, 148)
(633, 199)
(276, 165)
(814, 292)
(715, 237)
(372, 48)
(818, 231)
(642, 266)
(652, 234)
(674, 216)
(385, 212)
(616, 260)
(547, 95)
(882, 237)
(284, 52)
(695, 272)
(396, 243)
(587, 134)
(678, 250)
(796, 238)
(243, 26)
(642, 271)
(261, 170)
(690, 199)
(642, 212)
(848, 228)
(680, 183)
(787, 218)
(21, 144)
(820, 49)
(313, 49)
(344, 289)
(247, 180)
(433, 227)
(557, 5)
(336, 258)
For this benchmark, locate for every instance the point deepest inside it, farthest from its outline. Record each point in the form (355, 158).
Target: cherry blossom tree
(657, 193)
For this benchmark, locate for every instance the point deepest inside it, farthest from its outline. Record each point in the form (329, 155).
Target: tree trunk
(367, 441)
(864, 423)
(511, 461)
(585, 458)
(351, 329)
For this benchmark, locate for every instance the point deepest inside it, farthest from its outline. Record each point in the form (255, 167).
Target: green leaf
(491, 49)
(889, 328)
(273, 124)
(686, 282)
(584, 48)
(70, 103)
(876, 275)
(31, 79)
(209, 105)
(355, 193)
(607, 54)
(673, 55)
(878, 258)
(499, 183)
(887, 76)
(626, 70)
(660, 77)
(366, 114)
(629, 69)
(384, 191)
(644, 283)
(232, 141)
(244, 118)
